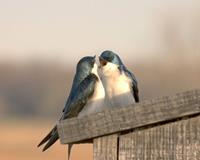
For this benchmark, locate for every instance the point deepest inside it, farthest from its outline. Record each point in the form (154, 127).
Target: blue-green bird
(121, 86)
(86, 96)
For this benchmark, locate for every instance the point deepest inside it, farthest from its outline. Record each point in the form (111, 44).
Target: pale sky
(69, 29)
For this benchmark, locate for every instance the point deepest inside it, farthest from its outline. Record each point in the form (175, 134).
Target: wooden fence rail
(165, 128)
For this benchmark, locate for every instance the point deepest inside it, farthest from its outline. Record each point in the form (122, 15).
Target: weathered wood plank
(125, 118)
(179, 140)
(105, 148)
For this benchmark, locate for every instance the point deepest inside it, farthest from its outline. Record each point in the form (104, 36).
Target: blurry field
(19, 141)
(30, 92)
(41, 91)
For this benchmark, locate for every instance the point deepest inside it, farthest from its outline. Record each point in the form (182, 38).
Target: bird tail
(50, 138)
(69, 150)
(136, 96)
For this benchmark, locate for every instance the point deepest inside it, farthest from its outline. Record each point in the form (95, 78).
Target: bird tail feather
(69, 150)
(50, 138)
(136, 96)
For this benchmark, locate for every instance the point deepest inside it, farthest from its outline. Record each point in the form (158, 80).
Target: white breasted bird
(86, 96)
(120, 84)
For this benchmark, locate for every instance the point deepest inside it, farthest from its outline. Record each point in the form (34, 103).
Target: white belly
(118, 90)
(96, 103)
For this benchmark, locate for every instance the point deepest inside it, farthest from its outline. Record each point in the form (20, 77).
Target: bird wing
(134, 86)
(79, 77)
(83, 92)
(75, 105)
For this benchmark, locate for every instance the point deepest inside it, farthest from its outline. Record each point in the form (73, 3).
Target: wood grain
(143, 114)
(105, 148)
(173, 141)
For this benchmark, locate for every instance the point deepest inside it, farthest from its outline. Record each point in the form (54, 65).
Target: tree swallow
(120, 84)
(87, 96)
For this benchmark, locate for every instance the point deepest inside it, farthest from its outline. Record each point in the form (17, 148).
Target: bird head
(86, 64)
(109, 57)
(109, 62)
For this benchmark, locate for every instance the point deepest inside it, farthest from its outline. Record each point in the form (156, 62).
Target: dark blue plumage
(82, 88)
(83, 69)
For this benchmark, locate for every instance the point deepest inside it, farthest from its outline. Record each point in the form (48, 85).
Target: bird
(87, 96)
(121, 86)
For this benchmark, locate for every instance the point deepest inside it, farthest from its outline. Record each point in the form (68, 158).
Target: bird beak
(102, 61)
(94, 59)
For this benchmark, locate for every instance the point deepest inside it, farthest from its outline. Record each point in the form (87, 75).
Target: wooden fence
(165, 128)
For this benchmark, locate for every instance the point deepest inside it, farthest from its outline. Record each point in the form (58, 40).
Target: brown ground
(19, 141)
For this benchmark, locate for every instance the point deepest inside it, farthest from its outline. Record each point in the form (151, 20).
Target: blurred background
(42, 40)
